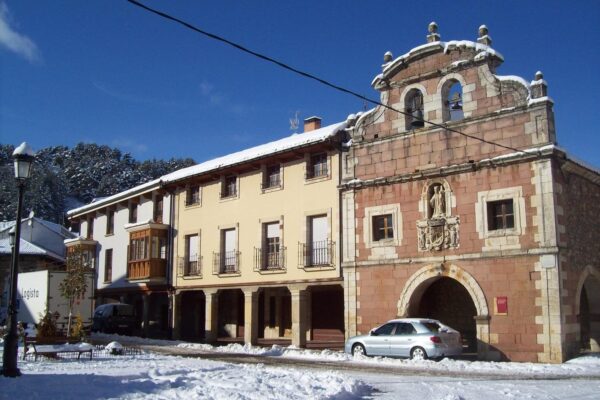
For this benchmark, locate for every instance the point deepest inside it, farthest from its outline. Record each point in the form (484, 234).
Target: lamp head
(24, 157)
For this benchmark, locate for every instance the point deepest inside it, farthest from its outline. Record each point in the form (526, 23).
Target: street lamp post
(23, 156)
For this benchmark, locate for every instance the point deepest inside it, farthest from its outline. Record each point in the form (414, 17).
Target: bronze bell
(456, 102)
(417, 119)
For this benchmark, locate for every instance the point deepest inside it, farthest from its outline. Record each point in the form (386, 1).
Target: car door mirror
(372, 332)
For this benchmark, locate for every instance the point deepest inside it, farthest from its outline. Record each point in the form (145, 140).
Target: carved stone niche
(438, 229)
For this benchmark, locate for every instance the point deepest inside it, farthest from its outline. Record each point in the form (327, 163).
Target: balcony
(190, 266)
(265, 261)
(147, 270)
(226, 263)
(316, 254)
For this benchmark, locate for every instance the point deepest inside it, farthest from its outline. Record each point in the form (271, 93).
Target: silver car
(417, 338)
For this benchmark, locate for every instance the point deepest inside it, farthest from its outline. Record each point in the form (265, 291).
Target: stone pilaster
(299, 315)
(211, 315)
(176, 315)
(145, 312)
(250, 315)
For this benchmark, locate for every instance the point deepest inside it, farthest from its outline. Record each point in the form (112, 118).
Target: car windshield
(432, 326)
(124, 311)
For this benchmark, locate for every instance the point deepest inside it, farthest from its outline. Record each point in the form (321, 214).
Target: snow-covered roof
(144, 187)
(291, 142)
(294, 141)
(27, 248)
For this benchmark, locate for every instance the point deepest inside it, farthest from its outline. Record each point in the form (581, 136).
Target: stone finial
(484, 38)
(387, 57)
(539, 75)
(433, 36)
(539, 87)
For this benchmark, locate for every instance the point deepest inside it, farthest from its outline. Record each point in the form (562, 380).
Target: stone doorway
(192, 316)
(231, 314)
(446, 300)
(275, 314)
(327, 316)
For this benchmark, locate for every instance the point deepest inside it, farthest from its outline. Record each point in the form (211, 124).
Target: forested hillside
(65, 178)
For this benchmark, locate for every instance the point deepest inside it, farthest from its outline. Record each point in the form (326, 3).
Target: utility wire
(309, 75)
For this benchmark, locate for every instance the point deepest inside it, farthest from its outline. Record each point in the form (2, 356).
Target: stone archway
(587, 303)
(420, 282)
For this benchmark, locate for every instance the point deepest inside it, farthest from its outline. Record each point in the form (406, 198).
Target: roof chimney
(312, 123)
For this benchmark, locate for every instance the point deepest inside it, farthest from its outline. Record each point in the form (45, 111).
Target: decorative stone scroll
(438, 230)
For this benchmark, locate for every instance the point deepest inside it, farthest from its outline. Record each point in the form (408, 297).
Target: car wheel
(418, 353)
(359, 349)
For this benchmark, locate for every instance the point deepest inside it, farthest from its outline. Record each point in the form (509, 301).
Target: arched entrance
(450, 294)
(445, 299)
(589, 310)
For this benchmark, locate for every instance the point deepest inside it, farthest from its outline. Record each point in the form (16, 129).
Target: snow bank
(165, 377)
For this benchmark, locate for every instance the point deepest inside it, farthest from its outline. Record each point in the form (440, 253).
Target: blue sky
(110, 73)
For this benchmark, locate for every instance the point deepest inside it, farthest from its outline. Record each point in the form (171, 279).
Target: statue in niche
(438, 208)
(439, 229)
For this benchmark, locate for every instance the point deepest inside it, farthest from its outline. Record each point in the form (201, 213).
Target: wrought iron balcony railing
(190, 266)
(316, 254)
(269, 261)
(226, 262)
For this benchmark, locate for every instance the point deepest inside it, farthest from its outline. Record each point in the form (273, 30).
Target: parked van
(115, 318)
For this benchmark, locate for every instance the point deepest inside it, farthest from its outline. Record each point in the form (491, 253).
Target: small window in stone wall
(383, 227)
(453, 101)
(500, 215)
(413, 108)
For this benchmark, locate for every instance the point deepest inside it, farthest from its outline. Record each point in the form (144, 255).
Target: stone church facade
(458, 205)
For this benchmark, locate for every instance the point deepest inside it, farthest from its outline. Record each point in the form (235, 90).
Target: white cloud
(219, 99)
(129, 145)
(14, 41)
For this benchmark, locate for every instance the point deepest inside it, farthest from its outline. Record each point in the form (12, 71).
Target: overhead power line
(309, 75)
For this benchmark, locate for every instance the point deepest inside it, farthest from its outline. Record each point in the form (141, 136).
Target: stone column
(145, 312)
(211, 315)
(176, 315)
(299, 313)
(250, 315)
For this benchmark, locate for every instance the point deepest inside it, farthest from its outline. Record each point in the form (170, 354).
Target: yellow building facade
(256, 243)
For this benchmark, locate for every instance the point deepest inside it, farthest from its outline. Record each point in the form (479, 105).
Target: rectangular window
(500, 215)
(272, 177)
(382, 227)
(158, 209)
(271, 246)
(133, 213)
(138, 249)
(110, 221)
(192, 245)
(318, 165)
(229, 250)
(192, 195)
(108, 256)
(319, 251)
(229, 187)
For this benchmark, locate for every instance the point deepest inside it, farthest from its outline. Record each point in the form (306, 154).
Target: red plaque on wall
(501, 305)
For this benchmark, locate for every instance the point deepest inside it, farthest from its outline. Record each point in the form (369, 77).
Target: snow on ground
(166, 377)
(584, 366)
(149, 375)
